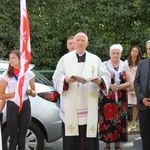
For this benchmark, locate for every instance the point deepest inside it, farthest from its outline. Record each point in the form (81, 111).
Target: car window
(39, 78)
(1, 71)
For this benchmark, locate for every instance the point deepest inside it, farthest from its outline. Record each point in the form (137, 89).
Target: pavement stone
(134, 143)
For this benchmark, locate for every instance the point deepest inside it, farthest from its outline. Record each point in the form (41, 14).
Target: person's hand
(29, 91)
(97, 81)
(69, 80)
(114, 87)
(146, 101)
(131, 88)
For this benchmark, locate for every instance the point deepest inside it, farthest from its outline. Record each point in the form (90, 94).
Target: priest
(79, 101)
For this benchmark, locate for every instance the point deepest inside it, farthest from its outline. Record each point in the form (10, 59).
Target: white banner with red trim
(25, 55)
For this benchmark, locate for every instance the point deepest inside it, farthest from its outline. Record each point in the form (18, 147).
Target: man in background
(142, 90)
(70, 44)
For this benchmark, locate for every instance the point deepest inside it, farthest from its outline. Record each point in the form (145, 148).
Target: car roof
(4, 65)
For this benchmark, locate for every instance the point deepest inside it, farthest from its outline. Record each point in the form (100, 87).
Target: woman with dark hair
(134, 57)
(17, 121)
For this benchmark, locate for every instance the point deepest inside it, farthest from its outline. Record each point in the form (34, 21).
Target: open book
(82, 79)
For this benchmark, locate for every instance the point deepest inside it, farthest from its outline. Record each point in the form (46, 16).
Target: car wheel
(34, 138)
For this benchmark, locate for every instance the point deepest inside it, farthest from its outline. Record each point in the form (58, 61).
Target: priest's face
(81, 42)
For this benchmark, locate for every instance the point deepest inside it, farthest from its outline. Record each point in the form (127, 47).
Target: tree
(53, 21)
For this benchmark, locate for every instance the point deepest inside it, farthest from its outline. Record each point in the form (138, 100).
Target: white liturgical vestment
(79, 104)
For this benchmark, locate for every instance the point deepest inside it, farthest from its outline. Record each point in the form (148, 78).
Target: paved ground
(134, 143)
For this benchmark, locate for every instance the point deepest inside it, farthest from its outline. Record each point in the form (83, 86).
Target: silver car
(45, 121)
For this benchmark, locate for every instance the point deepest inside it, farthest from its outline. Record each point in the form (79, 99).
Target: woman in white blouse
(17, 121)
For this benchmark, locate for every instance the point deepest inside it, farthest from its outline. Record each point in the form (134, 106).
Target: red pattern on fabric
(113, 127)
(112, 137)
(110, 110)
(16, 72)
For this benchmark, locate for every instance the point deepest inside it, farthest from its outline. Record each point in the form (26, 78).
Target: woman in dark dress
(113, 107)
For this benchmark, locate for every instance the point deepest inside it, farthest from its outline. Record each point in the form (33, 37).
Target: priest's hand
(97, 81)
(69, 80)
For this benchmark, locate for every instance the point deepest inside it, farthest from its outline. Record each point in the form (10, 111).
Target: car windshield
(39, 78)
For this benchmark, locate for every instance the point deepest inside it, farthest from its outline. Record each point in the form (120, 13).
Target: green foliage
(53, 21)
(8, 27)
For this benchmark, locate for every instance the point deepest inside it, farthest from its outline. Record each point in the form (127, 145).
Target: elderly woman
(113, 107)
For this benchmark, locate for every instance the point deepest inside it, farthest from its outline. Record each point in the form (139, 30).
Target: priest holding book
(79, 100)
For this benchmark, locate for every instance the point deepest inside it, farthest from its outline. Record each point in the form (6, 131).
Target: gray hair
(148, 42)
(82, 33)
(116, 46)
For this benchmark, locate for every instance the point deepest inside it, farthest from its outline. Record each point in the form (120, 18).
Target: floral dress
(113, 115)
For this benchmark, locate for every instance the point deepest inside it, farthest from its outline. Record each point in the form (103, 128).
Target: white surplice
(79, 104)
